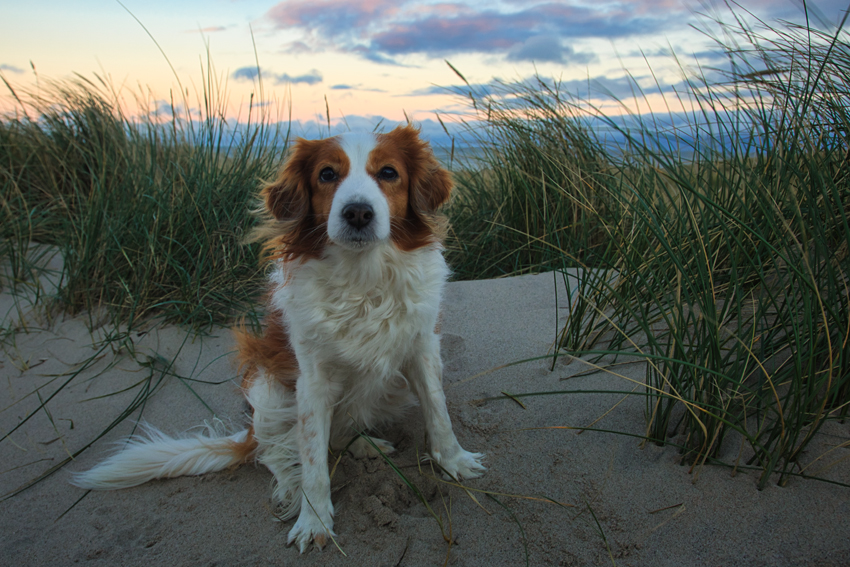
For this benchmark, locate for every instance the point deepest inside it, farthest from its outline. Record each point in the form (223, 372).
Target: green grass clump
(713, 242)
(147, 211)
(534, 193)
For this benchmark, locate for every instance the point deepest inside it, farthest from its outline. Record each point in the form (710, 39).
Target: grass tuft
(712, 242)
(147, 210)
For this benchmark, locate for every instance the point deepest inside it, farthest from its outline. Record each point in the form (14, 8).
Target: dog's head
(356, 191)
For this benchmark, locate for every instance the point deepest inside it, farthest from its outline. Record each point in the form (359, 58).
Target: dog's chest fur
(363, 311)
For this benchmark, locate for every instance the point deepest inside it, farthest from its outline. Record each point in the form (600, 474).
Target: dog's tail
(156, 455)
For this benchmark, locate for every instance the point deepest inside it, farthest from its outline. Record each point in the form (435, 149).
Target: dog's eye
(327, 175)
(387, 174)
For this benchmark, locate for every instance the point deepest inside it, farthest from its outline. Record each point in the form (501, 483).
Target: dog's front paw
(461, 465)
(310, 529)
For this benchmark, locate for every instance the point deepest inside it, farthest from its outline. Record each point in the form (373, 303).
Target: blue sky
(371, 59)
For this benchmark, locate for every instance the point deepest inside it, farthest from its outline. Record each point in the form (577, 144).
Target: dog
(350, 337)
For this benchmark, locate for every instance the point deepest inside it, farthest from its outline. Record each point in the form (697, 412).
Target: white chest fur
(362, 310)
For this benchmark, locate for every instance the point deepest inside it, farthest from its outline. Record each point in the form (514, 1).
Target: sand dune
(614, 501)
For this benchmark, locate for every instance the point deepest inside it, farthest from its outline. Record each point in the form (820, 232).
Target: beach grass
(147, 210)
(711, 242)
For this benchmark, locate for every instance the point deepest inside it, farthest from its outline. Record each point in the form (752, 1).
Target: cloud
(297, 48)
(331, 17)
(245, 73)
(361, 88)
(374, 56)
(165, 108)
(10, 68)
(209, 29)
(311, 78)
(432, 90)
(251, 73)
(547, 48)
(491, 31)
(430, 129)
(821, 11)
(619, 88)
(479, 89)
(388, 31)
(625, 86)
(384, 30)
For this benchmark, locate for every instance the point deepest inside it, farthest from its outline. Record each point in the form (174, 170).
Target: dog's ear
(430, 184)
(431, 188)
(289, 231)
(287, 198)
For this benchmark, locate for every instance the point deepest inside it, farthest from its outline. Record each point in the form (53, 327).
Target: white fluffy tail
(156, 455)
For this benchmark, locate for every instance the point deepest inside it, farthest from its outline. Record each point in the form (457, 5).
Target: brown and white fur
(350, 340)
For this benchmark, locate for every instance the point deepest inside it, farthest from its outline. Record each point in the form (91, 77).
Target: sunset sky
(370, 58)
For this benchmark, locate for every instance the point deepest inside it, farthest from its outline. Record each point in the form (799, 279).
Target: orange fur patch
(270, 351)
(328, 154)
(292, 230)
(244, 450)
(396, 190)
(428, 187)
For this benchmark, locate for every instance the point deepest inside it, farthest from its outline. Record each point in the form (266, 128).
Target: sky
(371, 60)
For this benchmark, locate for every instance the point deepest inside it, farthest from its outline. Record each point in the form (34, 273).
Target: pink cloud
(321, 13)
(444, 10)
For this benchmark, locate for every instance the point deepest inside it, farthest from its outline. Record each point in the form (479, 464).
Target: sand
(616, 502)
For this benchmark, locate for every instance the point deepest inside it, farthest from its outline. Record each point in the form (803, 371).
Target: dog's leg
(316, 394)
(425, 372)
(274, 416)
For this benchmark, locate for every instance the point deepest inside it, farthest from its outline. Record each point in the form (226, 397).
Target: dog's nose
(358, 215)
